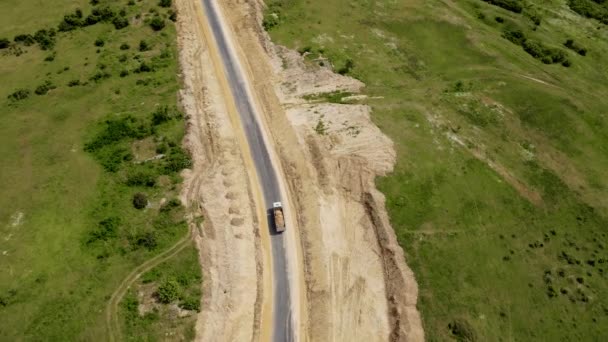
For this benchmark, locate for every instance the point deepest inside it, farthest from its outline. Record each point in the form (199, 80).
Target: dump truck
(279, 220)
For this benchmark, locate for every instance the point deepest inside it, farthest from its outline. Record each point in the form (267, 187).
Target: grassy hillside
(498, 113)
(88, 94)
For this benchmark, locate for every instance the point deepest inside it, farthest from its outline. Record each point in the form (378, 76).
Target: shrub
(144, 67)
(71, 21)
(25, 39)
(177, 160)
(144, 46)
(147, 239)
(106, 229)
(172, 15)
(100, 75)
(115, 131)
(131, 3)
(141, 178)
(4, 43)
(122, 58)
(125, 46)
(168, 291)
(170, 205)
(19, 94)
(44, 88)
(570, 44)
(99, 42)
(590, 9)
(348, 66)
(45, 38)
(165, 3)
(191, 303)
(120, 22)
(510, 5)
(140, 200)
(157, 23)
(514, 35)
(124, 73)
(462, 330)
(161, 115)
(499, 19)
(50, 58)
(74, 83)
(94, 2)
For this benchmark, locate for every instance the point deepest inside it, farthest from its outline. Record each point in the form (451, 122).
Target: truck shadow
(272, 228)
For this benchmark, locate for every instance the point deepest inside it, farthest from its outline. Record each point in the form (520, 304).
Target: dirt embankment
(217, 187)
(358, 285)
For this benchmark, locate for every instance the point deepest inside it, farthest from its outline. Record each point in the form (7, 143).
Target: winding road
(282, 329)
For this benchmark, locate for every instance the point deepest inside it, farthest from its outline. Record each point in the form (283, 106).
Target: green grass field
(494, 261)
(69, 232)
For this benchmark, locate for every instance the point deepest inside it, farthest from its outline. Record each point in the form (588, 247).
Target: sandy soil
(218, 189)
(358, 287)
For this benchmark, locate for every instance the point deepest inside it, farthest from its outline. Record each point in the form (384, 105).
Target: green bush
(348, 66)
(147, 239)
(19, 94)
(168, 291)
(44, 88)
(172, 15)
(462, 330)
(161, 115)
(71, 21)
(170, 205)
(157, 23)
(191, 303)
(141, 178)
(144, 67)
(510, 5)
(99, 42)
(514, 34)
(106, 229)
(165, 3)
(177, 160)
(120, 22)
(25, 39)
(124, 73)
(115, 131)
(570, 44)
(4, 43)
(45, 38)
(140, 200)
(144, 46)
(74, 83)
(125, 46)
(591, 9)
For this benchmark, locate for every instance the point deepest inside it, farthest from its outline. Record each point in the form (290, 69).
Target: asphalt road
(282, 326)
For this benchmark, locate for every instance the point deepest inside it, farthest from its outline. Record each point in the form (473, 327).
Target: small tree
(19, 94)
(164, 3)
(144, 46)
(168, 291)
(120, 22)
(140, 200)
(157, 23)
